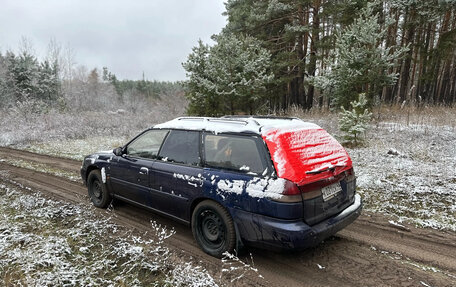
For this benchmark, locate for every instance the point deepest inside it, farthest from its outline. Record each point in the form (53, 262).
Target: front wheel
(213, 228)
(98, 192)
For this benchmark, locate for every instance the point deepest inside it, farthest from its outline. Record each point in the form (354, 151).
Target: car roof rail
(272, 117)
(245, 121)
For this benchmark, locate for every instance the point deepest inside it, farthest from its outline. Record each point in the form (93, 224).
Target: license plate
(330, 191)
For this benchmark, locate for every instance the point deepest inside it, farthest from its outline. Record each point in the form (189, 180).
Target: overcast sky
(128, 37)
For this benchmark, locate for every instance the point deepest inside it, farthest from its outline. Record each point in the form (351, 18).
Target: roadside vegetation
(50, 243)
(55, 99)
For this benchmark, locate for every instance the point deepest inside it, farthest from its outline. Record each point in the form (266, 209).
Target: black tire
(98, 192)
(213, 228)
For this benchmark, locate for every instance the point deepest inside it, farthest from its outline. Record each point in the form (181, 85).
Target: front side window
(238, 153)
(147, 145)
(181, 147)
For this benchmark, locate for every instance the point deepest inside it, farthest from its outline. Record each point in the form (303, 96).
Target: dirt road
(370, 252)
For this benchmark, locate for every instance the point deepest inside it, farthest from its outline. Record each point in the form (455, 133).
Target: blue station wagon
(275, 183)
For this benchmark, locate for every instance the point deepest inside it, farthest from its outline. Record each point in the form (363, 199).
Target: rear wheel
(213, 228)
(98, 192)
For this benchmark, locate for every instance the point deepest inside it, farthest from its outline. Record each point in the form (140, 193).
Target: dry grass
(410, 116)
(435, 116)
(18, 128)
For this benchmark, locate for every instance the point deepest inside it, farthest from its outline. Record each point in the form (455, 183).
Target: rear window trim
(273, 172)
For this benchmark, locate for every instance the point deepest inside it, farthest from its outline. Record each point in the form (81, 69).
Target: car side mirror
(118, 151)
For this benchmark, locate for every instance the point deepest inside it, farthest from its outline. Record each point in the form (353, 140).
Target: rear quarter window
(239, 153)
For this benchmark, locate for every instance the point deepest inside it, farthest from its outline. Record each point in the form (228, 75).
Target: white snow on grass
(75, 148)
(417, 185)
(235, 269)
(48, 243)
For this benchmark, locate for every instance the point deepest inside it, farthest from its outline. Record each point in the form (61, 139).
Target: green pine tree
(229, 77)
(360, 63)
(353, 123)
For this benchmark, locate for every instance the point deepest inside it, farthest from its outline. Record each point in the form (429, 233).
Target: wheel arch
(97, 165)
(90, 168)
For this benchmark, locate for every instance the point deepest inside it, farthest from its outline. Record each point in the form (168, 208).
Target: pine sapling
(354, 122)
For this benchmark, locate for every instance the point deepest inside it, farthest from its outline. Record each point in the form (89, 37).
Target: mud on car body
(276, 183)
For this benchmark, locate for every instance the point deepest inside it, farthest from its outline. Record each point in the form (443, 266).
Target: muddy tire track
(56, 162)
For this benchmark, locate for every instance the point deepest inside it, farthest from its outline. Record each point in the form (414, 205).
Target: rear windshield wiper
(332, 168)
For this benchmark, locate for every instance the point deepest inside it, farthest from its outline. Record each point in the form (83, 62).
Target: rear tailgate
(308, 156)
(318, 207)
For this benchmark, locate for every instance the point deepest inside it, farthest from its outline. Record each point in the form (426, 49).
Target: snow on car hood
(298, 150)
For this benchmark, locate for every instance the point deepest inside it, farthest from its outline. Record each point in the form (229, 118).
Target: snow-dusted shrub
(189, 275)
(234, 269)
(355, 122)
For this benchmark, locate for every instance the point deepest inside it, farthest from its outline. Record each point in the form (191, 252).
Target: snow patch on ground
(48, 243)
(43, 168)
(419, 185)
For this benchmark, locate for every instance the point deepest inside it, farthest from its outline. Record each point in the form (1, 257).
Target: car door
(131, 172)
(177, 176)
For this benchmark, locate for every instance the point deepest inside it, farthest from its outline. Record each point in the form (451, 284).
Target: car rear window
(181, 147)
(240, 153)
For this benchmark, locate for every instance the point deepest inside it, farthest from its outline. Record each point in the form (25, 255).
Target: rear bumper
(279, 234)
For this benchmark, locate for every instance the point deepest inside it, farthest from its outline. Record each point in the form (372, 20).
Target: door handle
(143, 170)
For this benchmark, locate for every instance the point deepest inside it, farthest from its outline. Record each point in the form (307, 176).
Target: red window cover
(298, 150)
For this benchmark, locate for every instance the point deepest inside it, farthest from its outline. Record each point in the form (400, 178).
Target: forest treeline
(320, 53)
(31, 85)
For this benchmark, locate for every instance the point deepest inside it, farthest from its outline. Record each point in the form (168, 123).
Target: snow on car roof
(249, 124)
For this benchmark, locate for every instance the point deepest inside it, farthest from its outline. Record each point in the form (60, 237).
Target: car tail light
(289, 194)
(294, 193)
(290, 188)
(349, 175)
